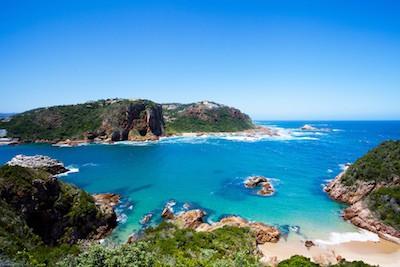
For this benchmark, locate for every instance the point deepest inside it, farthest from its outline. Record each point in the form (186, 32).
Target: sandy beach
(382, 253)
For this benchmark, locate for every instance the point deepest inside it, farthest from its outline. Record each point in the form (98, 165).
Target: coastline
(383, 253)
(255, 133)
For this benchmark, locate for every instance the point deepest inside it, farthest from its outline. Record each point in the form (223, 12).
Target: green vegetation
(197, 118)
(55, 123)
(103, 117)
(385, 203)
(297, 261)
(41, 217)
(67, 121)
(300, 261)
(166, 245)
(380, 164)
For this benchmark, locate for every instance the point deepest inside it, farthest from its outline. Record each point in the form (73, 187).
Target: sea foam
(71, 169)
(338, 238)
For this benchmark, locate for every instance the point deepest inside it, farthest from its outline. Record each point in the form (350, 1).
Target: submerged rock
(39, 162)
(146, 218)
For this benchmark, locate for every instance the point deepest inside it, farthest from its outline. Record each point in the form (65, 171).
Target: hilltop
(123, 119)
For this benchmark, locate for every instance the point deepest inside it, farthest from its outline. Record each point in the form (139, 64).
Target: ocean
(208, 172)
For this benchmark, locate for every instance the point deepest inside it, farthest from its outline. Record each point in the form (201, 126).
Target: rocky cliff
(37, 209)
(371, 186)
(121, 119)
(194, 219)
(103, 120)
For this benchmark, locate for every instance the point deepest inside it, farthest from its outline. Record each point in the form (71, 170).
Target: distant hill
(6, 115)
(122, 119)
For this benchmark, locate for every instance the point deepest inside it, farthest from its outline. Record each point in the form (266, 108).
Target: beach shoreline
(383, 253)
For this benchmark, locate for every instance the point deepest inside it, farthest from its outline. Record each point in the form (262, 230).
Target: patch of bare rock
(261, 182)
(194, 219)
(40, 162)
(358, 212)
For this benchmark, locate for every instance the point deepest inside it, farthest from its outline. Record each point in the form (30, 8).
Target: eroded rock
(39, 162)
(190, 219)
(255, 181)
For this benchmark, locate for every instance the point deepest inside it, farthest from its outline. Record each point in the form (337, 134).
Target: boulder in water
(255, 181)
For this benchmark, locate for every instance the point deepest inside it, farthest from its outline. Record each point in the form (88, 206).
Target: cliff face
(50, 210)
(372, 189)
(132, 121)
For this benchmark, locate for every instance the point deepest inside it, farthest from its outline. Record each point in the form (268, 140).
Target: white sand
(382, 253)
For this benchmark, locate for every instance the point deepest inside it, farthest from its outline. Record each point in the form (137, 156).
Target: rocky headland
(38, 162)
(371, 186)
(194, 219)
(40, 212)
(114, 120)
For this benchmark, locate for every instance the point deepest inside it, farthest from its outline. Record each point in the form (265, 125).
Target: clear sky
(300, 59)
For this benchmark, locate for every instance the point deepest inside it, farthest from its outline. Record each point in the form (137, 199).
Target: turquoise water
(208, 172)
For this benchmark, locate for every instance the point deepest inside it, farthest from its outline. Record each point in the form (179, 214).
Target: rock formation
(254, 181)
(264, 233)
(190, 219)
(55, 211)
(193, 219)
(38, 162)
(139, 120)
(146, 219)
(121, 120)
(307, 127)
(266, 188)
(362, 186)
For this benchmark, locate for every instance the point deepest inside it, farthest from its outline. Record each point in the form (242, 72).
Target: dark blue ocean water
(208, 172)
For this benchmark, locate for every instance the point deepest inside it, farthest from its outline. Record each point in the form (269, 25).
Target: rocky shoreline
(194, 219)
(358, 213)
(256, 132)
(30, 185)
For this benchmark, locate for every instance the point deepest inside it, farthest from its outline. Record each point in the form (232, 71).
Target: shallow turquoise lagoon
(208, 172)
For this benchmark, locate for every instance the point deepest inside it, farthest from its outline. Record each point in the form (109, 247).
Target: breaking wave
(338, 238)
(71, 169)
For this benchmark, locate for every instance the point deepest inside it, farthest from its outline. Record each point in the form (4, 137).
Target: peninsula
(123, 120)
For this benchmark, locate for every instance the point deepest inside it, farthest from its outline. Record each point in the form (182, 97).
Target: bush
(380, 164)
(385, 203)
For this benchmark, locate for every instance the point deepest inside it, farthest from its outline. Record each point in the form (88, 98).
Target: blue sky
(303, 59)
